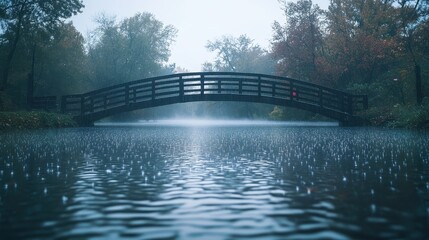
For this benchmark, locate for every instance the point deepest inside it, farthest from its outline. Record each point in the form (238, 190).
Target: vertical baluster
(202, 85)
(153, 89)
(350, 104)
(181, 89)
(219, 86)
(259, 86)
(127, 94)
(91, 104)
(82, 105)
(63, 104)
(274, 90)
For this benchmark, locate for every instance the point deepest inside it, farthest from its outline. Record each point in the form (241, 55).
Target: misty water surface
(214, 182)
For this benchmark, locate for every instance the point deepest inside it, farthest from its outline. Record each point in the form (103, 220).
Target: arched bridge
(214, 86)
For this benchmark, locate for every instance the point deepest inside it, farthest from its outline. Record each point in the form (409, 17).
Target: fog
(205, 122)
(196, 21)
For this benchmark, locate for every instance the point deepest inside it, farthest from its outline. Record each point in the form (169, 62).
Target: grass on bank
(34, 120)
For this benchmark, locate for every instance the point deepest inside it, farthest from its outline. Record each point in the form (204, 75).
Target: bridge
(214, 86)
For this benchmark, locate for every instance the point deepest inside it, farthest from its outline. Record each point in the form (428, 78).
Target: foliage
(61, 63)
(33, 120)
(411, 116)
(134, 48)
(297, 46)
(239, 55)
(23, 18)
(277, 113)
(399, 116)
(367, 47)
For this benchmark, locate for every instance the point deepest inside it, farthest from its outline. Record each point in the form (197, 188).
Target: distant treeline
(374, 47)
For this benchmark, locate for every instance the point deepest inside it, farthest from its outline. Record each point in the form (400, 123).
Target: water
(214, 182)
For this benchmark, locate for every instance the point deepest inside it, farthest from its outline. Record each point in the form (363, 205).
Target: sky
(197, 22)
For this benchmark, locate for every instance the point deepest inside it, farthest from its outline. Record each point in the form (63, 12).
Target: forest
(375, 47)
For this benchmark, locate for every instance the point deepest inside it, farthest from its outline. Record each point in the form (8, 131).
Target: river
(214, 181)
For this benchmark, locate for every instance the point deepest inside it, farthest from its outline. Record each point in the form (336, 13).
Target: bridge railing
(47, 103)
(186, 85)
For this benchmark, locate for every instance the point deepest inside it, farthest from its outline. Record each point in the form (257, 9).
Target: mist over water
(214, 182)
(202, 122)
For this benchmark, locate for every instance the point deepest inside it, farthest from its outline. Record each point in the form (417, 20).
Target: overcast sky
(197, 22)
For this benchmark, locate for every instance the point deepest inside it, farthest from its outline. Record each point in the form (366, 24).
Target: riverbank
(34, 120)
(399, 116)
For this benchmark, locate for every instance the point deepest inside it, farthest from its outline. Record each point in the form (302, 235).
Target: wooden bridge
(214, 86)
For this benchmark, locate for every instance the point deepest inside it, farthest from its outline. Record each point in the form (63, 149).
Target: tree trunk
(11, 53)
(30, 81)
(8, 63)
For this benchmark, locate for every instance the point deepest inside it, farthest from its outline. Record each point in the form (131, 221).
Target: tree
(61, 63)
(239, 55)
(298, 45)
(136, 47)
(22, 17)
(414, 17)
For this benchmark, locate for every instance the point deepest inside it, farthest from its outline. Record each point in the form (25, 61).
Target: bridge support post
(274, 90)
(63, 104)
(127, 95)
(153, 90)
(82, 106)
(181, 89)
(219, 86)
(259, 86)
(202, 85)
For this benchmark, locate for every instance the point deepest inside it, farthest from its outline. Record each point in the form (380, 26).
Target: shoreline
(34, 120)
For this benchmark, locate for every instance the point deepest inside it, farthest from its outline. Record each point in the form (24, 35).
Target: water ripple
(214, 183)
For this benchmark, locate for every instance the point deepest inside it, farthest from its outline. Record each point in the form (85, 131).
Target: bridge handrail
(178, 75)
(329, 97)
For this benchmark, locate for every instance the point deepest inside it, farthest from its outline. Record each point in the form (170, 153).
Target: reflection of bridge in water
(214, 86)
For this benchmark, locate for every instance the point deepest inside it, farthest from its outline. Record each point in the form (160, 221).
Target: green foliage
(411, 116)
(399, 116)
(33, 120)
(277, 114)
(134, 48)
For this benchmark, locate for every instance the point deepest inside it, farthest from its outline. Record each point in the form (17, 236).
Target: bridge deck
(213, 86)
